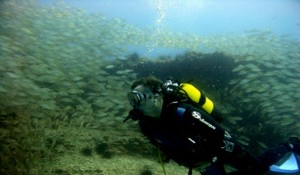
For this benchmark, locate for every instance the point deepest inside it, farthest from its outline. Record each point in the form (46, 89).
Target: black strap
(190, 171)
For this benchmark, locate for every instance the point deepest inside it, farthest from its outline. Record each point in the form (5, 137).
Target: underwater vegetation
(86, 151)
(64, 77)
(102, 149)
(146, 172)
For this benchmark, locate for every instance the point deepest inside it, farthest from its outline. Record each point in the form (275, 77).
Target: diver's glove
(134, 114)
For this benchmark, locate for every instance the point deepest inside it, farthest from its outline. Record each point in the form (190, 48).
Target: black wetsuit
(189, 136)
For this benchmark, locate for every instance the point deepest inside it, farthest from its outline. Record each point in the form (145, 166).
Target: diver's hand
(134, 114)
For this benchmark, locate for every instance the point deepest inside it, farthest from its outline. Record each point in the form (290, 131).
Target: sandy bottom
(126, 165)
(129, 153)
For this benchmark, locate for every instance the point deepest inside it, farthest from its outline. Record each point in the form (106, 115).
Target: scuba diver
(184, 125)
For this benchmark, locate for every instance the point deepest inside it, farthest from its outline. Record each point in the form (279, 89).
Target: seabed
(73, 162)
(65, 74)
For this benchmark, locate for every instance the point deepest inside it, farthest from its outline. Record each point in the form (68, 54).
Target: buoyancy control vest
(186, 134)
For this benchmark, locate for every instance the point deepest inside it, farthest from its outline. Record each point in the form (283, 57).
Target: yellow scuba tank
(196, 95)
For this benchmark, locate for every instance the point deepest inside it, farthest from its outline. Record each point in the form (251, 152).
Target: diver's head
(146, 96)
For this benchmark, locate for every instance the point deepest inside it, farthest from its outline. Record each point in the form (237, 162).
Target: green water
(64, 77)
